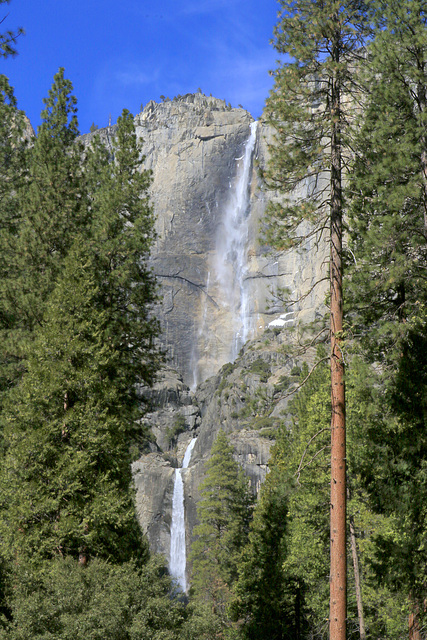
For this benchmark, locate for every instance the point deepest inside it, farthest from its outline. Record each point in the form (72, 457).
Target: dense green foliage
(302, 455)
(224, 513)
(78, 341)
(262, 600)
(67, 430)
(12, 179)
(388, 208)
(118, 602)
(47, 207)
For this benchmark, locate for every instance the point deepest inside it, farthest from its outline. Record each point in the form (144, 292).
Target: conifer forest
(333, 544)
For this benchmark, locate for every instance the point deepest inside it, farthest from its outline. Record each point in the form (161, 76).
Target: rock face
(192, 145)
(195, 147)
(248, 399)
(220, 286)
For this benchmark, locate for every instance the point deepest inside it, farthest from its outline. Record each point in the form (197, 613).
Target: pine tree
(8, 38)
(386, 284)
(13, 176)
(371, 425)
(49, 207)
(263, 599)
(71, 420)
(224, 513)
(392, 470)
(66, 476)
(122, 234)
(309, 110)
(388, 212)
(301, 456)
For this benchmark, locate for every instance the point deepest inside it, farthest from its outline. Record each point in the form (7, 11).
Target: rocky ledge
(248, 399)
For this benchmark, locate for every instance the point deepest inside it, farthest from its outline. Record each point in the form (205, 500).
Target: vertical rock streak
(178, 556)
(231, 251)
(202, 334)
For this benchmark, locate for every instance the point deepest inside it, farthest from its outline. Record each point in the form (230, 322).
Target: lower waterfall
(178, 556)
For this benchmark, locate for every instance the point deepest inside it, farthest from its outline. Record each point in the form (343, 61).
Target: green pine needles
(79, 339)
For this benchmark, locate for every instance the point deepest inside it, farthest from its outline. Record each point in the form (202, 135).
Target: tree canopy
(80, 337)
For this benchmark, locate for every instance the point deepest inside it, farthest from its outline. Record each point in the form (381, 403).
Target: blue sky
(123, 54)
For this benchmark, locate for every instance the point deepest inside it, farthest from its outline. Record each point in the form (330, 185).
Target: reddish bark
(338, 559)
(414, 619)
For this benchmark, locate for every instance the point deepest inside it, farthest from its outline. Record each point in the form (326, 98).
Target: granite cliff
(225, 327)
(219, 283)
(248, 399)
(211, 265)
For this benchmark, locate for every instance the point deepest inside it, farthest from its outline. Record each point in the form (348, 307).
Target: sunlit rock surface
(247, 399)
(215, 293)
(195, 147)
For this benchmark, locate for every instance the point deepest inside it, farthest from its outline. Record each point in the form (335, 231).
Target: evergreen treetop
(224, 513)
(8, 38)
(50, 207)
(72, 418)
(310, 109)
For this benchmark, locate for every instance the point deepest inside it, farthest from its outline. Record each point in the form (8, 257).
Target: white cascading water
(178, 555)
(231, 255)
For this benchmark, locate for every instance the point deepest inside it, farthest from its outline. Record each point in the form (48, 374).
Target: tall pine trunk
(414, 619)
(338, 558)
(323, 39)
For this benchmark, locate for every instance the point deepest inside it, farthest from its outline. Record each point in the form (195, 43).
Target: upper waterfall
(231, 249)
(207, 197)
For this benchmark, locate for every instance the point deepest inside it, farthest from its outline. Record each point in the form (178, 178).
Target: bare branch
(190, 282)
(300, 467)
(308, 376)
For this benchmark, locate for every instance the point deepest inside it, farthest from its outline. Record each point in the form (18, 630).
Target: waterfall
(178, 556)
(231, 261)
